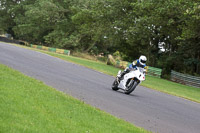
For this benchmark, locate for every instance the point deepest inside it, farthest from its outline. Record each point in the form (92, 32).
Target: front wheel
(131, 87)
(114, 85)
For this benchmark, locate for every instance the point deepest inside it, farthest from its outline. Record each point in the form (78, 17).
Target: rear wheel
(131, 87)
(114, 85)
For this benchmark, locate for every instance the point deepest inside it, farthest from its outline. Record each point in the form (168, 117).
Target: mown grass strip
(28, 105)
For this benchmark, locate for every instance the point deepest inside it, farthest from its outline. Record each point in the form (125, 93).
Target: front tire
(114, 85)
(131, 87)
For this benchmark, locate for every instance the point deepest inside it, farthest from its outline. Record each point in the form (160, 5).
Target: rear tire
(131, 88)
(114, 85)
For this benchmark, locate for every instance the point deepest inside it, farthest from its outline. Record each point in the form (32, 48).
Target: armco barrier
(185, 79)
(45, 48)
(33, 46)
(67, 52)
(39, 47)
(60, 51)
(52, 49)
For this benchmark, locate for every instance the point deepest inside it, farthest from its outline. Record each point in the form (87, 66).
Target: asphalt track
(147, 108)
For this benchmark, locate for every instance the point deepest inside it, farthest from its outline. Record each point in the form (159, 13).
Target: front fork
(133, 80)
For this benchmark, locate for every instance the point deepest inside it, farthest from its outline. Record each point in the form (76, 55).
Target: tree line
(166, 31)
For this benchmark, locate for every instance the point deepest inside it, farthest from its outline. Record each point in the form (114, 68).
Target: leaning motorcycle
(130, 80)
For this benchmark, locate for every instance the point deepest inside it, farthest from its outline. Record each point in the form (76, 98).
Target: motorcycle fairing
(127, 76)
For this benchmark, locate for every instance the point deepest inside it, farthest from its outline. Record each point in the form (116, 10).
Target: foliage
(166, 31)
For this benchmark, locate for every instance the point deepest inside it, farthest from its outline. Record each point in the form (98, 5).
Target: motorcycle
(130, 80)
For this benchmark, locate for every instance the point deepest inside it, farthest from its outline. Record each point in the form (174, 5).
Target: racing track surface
(152, 110)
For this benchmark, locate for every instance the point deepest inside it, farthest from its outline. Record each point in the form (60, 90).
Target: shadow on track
(130, 95)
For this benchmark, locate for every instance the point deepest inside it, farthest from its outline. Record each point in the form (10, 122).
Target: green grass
(28, 105)
(187, 92)
(96, 65)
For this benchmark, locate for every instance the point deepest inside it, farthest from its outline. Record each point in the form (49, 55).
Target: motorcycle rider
(141, 62)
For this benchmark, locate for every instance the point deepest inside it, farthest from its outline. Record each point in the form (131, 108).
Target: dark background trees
(166, 31)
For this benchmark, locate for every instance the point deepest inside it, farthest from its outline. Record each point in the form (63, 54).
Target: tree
(166, 31)
(9, 10)
(39, 20)
(190, 39)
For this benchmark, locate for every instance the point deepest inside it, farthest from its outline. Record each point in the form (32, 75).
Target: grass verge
(28, 105)
(187, 92)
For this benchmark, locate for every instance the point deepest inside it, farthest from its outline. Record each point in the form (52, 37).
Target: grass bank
(187, 92)
(28, 105)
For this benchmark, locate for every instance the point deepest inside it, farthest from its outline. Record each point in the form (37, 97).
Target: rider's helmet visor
(143, 61)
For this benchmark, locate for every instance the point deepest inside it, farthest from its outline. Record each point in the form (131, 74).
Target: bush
(104, 59)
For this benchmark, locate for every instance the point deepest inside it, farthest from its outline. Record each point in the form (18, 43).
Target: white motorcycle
(130, 80)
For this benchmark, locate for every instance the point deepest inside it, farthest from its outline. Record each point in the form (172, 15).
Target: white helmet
(142, 59)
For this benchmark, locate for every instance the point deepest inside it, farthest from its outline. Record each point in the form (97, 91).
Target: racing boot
(122, 75)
